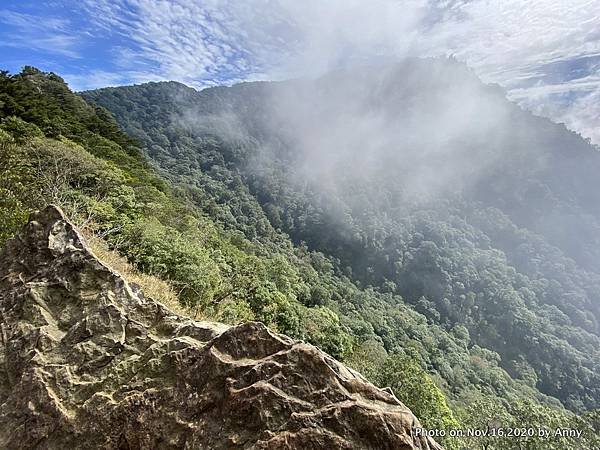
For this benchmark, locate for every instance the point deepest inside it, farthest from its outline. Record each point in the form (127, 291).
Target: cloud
(544, 53)
(201, 44)
(334, 33)
(211, 42)
(578, 110)
(31, 22)
(41, 33)
(538, 51)
(101, 78)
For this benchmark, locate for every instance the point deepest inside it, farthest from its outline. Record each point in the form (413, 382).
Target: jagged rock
(87, 362)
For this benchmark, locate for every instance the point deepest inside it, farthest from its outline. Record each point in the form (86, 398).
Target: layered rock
(86, 361)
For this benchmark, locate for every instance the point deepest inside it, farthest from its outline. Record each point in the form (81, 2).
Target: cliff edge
(86, 361)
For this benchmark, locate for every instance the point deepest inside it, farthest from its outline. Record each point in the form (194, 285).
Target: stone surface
(87, 362)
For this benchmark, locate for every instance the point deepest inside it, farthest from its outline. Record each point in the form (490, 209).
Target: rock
(88, 362)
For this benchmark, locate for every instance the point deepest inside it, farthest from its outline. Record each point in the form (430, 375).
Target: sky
(544, 53)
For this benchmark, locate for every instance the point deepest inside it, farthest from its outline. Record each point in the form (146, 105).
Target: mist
(404, 134)
(361, 104)
(432, 130)
(428, 127)
(412, 177)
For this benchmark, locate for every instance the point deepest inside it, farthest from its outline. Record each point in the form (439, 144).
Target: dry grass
(151, 286)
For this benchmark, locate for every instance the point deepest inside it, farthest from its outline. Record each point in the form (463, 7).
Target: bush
(163, 251)
(20, 130)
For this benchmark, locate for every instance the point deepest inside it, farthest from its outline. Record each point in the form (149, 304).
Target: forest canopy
(470, 306)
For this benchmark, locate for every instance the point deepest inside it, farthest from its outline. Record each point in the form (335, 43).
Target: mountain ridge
(500, 158)
(446, 301)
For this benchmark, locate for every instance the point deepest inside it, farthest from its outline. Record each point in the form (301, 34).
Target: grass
(153, 287)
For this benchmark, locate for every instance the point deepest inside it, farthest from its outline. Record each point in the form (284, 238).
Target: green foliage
(20, 130)
(322, 327)
(233, 312)
(163, 251)
(12, 214)
(489, 265)
(449, 301)
(402, 373)
(410, 383)
(18, 187)
(540, 426)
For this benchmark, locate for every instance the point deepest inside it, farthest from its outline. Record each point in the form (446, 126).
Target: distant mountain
(418, 180)
(391, 227)
(56, 148)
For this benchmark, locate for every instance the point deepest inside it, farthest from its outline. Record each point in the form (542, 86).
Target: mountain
(330, 211)
(420, 181)
(89, 359)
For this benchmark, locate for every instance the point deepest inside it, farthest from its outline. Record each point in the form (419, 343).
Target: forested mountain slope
(424, 289)
(420, 182)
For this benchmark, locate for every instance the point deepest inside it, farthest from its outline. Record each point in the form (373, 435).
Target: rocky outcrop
(86, 361)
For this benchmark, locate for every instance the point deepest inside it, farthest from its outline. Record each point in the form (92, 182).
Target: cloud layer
(546, 53)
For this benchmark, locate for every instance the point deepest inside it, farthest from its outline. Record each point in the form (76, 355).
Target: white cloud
(197, 43)
(30, 22)
(520, 44)
(45, 34)
(529, 48)
(519, 34)
(580, 112)
(226, 40)
(101, 78)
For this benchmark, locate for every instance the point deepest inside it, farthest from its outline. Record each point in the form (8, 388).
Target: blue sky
(545, 53)
(56, 36)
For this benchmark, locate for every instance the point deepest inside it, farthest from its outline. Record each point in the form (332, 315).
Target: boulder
(86, 361)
